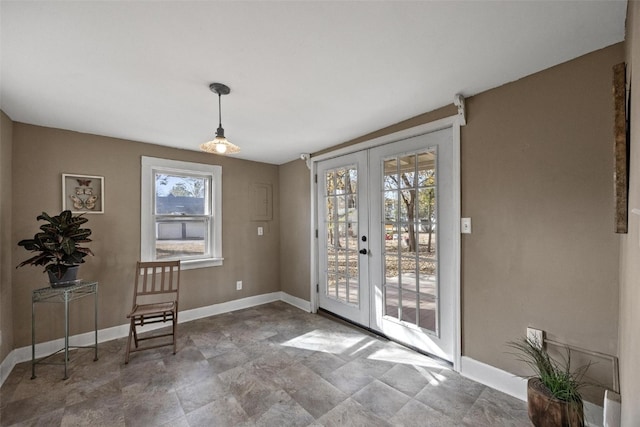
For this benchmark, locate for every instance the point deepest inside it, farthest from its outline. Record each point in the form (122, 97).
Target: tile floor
(272, 365)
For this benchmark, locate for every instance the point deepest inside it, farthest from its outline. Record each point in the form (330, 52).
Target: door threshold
(341, 319)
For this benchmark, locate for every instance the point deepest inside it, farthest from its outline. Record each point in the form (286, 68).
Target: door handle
(363, 251)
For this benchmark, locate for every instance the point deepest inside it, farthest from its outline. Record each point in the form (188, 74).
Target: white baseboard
(515, 386)
(23, 354)
(493, 377)
(7, 366)
(226, 307)
(593, 414)
(303, 305)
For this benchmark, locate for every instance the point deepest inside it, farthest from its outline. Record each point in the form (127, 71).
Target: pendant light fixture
(219, 144)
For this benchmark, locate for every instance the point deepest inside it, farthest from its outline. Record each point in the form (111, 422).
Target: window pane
(407, 171)
(340, 181)
(391, 302)
(427, 314)
(331, 185)
(332, 290)
(407, 205)
(342, 289)
(391, 270)
(426, 169)
(180, 239)
(181, 194)
(391, 174)
(409, 304)
(391, 206)
(408, 272)
(330, 209)
(351, 180)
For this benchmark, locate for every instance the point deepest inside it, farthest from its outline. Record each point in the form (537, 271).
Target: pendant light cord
(219, 111)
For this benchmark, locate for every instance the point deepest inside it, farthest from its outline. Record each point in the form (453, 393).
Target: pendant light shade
(220, 144)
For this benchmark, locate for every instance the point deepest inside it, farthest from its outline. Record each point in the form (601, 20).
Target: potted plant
(58, 246)
(553, 392)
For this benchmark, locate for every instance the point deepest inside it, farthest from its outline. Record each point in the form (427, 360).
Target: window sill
(193, 264)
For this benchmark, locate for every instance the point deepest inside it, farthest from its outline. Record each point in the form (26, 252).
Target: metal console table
(64, 295)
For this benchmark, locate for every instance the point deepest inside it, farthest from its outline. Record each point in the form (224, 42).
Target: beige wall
(41, 155)
(537, 180)
(6, 264)
(630, 248)
(295, 217)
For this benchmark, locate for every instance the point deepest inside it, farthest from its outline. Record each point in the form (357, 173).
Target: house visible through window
(181, 212)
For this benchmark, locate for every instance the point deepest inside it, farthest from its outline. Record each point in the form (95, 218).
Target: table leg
(33, 340)
(66, 336)
(95, 313)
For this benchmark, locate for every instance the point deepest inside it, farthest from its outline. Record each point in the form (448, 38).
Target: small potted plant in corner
(58, 246)
(553, 392)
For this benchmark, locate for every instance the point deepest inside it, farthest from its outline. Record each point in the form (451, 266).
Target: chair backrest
(156, 279)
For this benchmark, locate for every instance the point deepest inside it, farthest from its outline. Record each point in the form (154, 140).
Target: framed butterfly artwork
(83, 193)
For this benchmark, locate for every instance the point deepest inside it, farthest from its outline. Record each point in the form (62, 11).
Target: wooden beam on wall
(621, 149)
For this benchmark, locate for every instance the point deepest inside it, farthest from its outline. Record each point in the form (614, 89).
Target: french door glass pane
(330, 211)
(426, 169)
(427, 313)
(408, 306)
(407, 171)
(342, 234)
(391, 299)
(391, 269)
(332, 288)
(391, 209)
(409, 225)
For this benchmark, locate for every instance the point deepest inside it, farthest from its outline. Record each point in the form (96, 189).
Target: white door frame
(454, 122)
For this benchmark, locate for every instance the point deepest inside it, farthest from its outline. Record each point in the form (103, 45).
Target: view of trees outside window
(342, 228)
(180, 186)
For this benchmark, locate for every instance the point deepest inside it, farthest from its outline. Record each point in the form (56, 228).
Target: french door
(343, 229)
(386, 244)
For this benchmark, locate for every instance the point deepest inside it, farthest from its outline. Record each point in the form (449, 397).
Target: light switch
(260, 231)
(465, 225)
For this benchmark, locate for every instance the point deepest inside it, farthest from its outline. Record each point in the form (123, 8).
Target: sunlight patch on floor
(327, 342)
(434, 378)
(406, 356)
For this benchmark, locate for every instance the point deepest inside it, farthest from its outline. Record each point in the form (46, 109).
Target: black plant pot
(67, 279)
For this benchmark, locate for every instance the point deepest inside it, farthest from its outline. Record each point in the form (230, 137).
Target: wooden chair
(155, 299)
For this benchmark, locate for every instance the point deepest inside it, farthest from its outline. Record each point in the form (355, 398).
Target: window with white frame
(181, 212)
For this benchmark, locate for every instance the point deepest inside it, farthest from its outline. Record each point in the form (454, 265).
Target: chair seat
(156, 308)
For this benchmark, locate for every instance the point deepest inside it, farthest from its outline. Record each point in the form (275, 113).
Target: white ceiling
(304, 75)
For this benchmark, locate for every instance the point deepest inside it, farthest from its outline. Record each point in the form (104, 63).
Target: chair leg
(175, 321)
(135, 332)
(131, 330)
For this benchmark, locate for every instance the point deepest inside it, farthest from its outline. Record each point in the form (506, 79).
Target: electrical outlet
(260, 231)
(239, 285)
(536, 336)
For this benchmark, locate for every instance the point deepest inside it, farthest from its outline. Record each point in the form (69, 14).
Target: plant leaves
(57, 242)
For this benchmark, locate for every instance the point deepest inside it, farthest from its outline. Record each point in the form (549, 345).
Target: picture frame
(83, 193)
